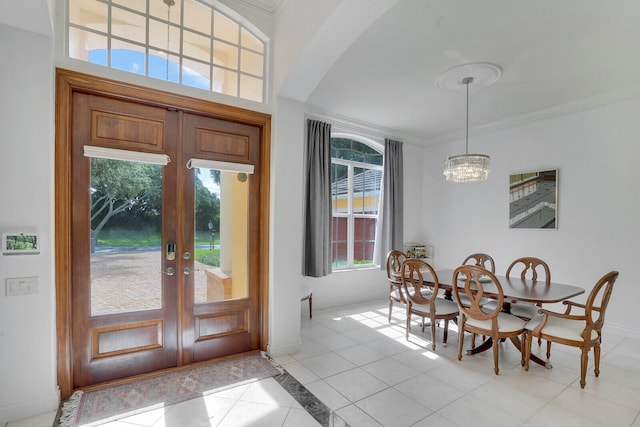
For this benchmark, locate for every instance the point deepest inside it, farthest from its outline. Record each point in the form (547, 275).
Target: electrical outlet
(21, 286)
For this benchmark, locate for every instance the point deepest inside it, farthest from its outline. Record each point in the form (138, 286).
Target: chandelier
(468, 167)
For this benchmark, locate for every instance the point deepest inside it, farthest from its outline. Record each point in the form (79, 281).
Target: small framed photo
(20, 243)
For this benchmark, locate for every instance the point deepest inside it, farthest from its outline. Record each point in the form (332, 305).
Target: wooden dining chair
(485, 261)
(471, 280)
(423, 300)
(530, 268)
(394, 264)
(482, 260)
(582, 329)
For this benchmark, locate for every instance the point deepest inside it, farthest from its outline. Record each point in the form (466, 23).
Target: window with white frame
(188, 42)
(356, 172)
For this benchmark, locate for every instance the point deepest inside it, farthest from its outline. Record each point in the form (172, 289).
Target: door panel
(124, 309)
(225, 318)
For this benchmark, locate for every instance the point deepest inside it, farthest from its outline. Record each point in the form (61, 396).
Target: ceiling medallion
(483, 73)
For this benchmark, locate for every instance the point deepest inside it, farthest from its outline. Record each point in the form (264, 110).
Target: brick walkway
(131, 281)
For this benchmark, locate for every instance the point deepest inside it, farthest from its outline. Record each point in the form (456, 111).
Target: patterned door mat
(100, 406)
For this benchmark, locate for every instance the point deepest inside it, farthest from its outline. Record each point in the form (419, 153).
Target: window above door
(187, 42)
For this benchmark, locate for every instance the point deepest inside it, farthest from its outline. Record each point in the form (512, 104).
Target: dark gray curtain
(317, 200)
(392, 199)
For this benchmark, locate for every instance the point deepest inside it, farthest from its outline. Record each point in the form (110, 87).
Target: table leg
(518, 343)
(486, 345)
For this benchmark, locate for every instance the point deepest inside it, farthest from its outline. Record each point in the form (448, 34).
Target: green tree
(207, 208)
(130, 194)
(119, 186)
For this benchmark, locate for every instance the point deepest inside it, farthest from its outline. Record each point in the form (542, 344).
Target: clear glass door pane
(126, 236)
(221, 243)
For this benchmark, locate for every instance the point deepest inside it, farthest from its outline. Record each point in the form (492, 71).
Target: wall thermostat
(20, 243)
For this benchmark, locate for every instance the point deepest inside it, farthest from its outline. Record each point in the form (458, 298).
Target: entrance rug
(101, 406)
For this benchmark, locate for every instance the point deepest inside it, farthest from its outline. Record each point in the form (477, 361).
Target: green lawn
(125, 237)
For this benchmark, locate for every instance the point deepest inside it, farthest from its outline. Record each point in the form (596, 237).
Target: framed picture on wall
(533, 199)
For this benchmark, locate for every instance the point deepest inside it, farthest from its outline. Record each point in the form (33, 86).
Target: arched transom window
(182, 41)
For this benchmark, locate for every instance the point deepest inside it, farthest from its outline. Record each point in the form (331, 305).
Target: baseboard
(283, 350)
(35, 405)
(622, 330)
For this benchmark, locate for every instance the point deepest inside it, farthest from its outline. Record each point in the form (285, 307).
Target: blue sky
(134, 62)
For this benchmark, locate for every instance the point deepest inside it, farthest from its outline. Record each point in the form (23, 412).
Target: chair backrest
(395, 258)
(483, 260)
(599, 299)
(413, 281)
(530, 266)
(471, 280)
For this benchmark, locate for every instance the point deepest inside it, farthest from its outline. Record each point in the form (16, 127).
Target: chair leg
(596, 360)
(527, 350)
(446, 332)
(390, 308)
(584, 359)
(548, 349)
(310, 306)
(433, 333)
(408, 322)
(523, 348)
(460, 338)
(496, 353)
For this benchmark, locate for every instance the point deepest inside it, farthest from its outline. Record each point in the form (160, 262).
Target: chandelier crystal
(467, 167)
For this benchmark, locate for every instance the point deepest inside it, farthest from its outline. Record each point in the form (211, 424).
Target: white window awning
(131, 156)
(223, 166)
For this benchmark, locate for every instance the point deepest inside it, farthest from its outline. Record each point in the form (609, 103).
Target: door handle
(188, 270)
(170, 271)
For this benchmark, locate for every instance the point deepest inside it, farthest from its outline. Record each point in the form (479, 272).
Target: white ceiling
(31, 15)
(556, 57)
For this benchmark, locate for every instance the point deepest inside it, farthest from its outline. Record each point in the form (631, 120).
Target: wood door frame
(68, 82)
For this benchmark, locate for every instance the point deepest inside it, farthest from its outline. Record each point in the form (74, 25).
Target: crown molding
(600, 100)
(267, 7)
(348, 124)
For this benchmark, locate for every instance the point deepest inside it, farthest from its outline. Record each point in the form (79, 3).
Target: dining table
(514, 289)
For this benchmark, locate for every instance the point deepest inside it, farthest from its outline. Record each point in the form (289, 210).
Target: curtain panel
(317, 200)
(393, 200)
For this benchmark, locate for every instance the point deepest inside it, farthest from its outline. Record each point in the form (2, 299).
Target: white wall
(598, 204)
(286, 227)
(27, 322)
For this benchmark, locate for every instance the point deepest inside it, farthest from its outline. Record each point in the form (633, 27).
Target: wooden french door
(149, 291)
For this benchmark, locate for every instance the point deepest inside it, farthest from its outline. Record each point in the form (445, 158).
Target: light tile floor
(362, 367)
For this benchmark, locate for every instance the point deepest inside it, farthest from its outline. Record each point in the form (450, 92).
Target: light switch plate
(15, 286)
